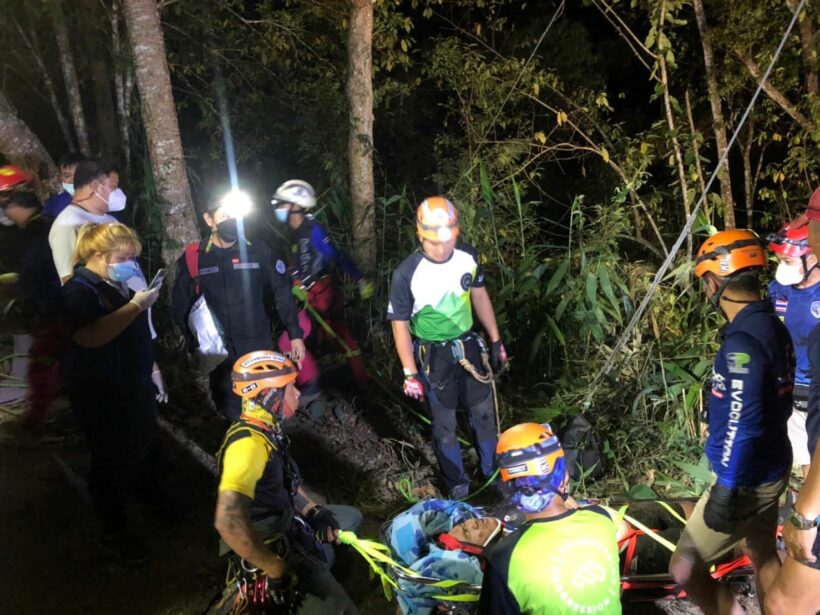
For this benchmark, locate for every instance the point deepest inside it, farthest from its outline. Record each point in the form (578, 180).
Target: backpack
(581, 450)
(203, 324)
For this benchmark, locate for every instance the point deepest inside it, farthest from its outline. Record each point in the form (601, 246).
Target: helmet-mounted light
(236, 203)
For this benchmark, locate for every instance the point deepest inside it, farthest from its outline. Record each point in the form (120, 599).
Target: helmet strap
(806, 269)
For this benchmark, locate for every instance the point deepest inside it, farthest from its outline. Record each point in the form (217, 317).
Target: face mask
(69, 188)
(103, 199)
(122, 272)
(282, 214)
(788, 275)
(4, 219)
(116, 200)
(227, 230)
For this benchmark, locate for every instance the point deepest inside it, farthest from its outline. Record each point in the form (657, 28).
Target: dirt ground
(49, 558)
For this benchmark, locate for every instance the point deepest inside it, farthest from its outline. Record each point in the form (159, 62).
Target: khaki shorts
(799, 438)
(757, 510)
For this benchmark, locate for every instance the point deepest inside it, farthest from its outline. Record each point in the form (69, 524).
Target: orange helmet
(263, 369)
(437, 219)
(727, 253)
(529, 449)
(11, 175)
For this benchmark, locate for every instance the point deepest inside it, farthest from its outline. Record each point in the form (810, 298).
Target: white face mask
(116, 200)
(788, 275)
(69, 188)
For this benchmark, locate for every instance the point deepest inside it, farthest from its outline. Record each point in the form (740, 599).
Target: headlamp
(236, 204)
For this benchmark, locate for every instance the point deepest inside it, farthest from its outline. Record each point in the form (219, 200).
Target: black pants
(448, 385)
(121, 430)
(227, 404)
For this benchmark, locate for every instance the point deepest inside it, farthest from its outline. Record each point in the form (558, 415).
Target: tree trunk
(97, 50)
(360, 141)
(121, 88)
(748, 175)
(807, 48)
(30, 41)
(161, 126)
(72, 83)
(20, 146)
(717, 115)
(673, 132)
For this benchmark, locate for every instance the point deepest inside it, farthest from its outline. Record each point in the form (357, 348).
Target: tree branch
(776, 95)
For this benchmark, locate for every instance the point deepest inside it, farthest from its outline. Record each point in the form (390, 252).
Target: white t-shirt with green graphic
(435, 297)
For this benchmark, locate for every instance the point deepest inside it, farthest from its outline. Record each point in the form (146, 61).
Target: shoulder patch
(280, 266)
(738, 362)
(815, 309)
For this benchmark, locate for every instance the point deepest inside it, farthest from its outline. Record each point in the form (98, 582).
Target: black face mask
(227, 230)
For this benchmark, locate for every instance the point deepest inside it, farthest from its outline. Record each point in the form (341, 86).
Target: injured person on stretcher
(445, 540)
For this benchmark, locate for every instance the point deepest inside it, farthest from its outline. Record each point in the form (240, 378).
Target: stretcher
(452, 597)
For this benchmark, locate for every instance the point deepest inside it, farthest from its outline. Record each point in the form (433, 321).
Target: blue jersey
(799, 309)
(315, 253)
(57, 203)
(751, 400)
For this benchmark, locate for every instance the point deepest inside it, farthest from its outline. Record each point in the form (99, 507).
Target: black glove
(321, 520)
(720, 513)
(498, 356)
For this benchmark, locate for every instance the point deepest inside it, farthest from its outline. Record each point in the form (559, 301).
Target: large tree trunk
(72, 84)
(97, 50)
(807, 48)
(123, 82)
(20, 146)
(360, 141)
(717, 114)
(30, 41)
(161, 126)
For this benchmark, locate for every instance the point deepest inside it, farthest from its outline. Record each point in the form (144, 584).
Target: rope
(636, 317)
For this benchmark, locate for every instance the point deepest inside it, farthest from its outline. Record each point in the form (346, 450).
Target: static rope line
(610, 363)
(300, 294)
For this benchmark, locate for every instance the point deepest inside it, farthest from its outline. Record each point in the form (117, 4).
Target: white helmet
(297, 192)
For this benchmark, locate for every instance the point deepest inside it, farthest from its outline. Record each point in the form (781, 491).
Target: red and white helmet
(12, 176)
(792, 240)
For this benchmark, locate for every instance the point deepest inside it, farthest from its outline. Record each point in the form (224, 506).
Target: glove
(720, 514)
(159, 382)
(144, 299)
(324, 523)
(498, 356)
(366, 289)
(412, 387)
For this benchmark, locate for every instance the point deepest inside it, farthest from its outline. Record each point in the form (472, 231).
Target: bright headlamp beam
(236, 203)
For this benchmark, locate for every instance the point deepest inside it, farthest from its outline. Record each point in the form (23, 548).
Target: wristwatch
(801, 522)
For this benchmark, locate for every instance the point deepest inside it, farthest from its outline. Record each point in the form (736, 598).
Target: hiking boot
(126, 547)
(314, 404)
(459, 492)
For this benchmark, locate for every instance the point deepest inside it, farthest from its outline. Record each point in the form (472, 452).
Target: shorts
(799, 437)
(757, 509)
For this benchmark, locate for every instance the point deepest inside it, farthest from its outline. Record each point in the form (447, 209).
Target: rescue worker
(241, 282)
(796, 591)
(13, 179)
(37, 290)
(795, 295)
(313, 256)
(262, 513)
(748, 444)
(563, 560)
(56, 203)
(432, 297)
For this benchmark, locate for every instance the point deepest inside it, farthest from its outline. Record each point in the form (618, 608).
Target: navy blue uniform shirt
(751, 400)
(799, 309)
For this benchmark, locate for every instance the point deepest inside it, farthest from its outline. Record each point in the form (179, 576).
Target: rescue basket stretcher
(454, 597)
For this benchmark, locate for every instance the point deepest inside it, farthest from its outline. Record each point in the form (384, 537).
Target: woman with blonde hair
(109, 370)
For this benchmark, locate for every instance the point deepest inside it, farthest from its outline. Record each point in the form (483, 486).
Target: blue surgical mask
(282, 214)
(69, 188)
(122, 272)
